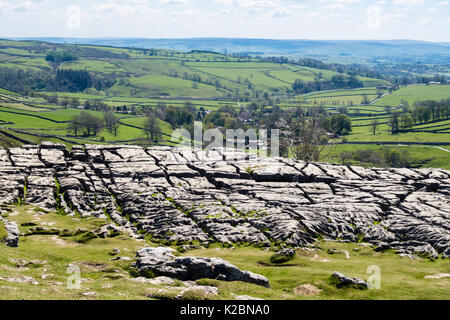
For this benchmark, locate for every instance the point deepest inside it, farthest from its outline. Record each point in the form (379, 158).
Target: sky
(427, 20)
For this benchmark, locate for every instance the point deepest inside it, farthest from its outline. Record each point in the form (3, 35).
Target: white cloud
(186, 13)
(249, 3)
(281, 12)
(334, 6)
(24, 6)
(124, 7)
(175, 1)
(346, 1)
(408, 2)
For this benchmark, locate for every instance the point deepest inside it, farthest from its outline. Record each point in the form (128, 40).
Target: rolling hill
(332, 50)
(150, 73)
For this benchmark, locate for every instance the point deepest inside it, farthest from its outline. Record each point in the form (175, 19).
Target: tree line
(86, 124)
(23, 81)
(59, 57)
(336, 82)
(422, 112)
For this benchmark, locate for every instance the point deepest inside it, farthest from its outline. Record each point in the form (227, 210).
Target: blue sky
(278, 19)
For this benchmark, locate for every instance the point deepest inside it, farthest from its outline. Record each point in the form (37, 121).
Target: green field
(168, 73)
(54, 123)
(420, 155)
(415, 93)
(145, 79)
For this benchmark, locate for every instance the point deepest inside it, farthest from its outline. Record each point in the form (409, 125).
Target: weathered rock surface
(342, 281)
(173, 196)
(12, 240)
(162, 262)
(283, 255)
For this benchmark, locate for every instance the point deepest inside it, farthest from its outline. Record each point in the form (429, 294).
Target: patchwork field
(147, 79)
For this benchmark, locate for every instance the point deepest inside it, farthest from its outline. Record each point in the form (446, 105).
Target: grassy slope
(421, 156)
(148, 76)
(400, 279)
(415, 93)
(147, 73)
(26, 121)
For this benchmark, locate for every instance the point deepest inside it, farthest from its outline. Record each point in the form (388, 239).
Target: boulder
(283, 255)
(340, 281)
(12, 240)
(161, 261)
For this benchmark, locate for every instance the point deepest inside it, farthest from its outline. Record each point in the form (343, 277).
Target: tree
(374, 126)
(308, 136)
(87, 123)
(395, 122)
(152, 128)
(75, 125)
(72, 80)
(112, 123)
(365, 100)
(75, 103)
(406, 122)
(59, 57)
(340, 122)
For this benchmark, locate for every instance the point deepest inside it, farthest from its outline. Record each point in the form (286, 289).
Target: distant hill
(146, 73)
(338, 51)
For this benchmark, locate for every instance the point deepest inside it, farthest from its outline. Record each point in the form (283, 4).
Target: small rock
(89, 294)
(446, 253)
(120, 258)
(340, 281)
(198, 291)
(408, 255)
(115, 252)
(245, 297)
(12, 240)
(339, 251)
(108, 231)
(24, 279)
(155, 281)
(438, 276)
(20, 263)
(283, 255)
(365, 244)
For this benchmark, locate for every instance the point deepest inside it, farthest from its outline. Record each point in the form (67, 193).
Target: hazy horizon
(231, 38)
(347, 20)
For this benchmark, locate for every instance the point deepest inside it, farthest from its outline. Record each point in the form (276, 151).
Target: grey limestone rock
(181, 196)
(340, 281)
(162, 262)
(12, 240)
